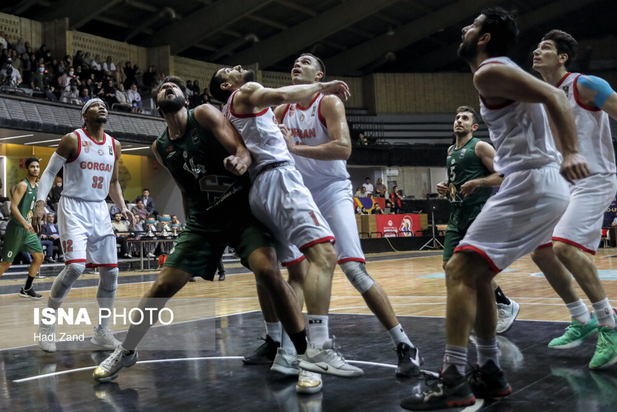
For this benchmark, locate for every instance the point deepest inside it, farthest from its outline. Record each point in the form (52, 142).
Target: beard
(249, 76)
(101, 120)
(172, 105)
(467, 51)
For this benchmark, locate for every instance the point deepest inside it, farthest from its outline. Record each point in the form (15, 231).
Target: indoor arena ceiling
(352, 36)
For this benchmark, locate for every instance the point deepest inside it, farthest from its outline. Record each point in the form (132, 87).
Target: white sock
(287, 344)
(578, 310)
(487, 350)
(318, 330)
(274, 330)
(604, 313)
(398, 335)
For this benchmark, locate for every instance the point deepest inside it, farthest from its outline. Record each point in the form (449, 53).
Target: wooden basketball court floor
(215, 379)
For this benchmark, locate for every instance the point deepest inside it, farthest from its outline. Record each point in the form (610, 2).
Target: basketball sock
(578, 310)
(487, 350)
(298, 341)
(287, 344)
(398, 335)
(29, 280)
(604, 313)
(274, 330)
(500, 297)
(457, 356)
(318, 330)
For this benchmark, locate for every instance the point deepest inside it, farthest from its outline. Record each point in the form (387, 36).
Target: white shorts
(335, 202)
(519, 218)
(581, 225)
(279, 199)
(86, 233)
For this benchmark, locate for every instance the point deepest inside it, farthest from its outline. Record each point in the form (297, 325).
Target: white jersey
(593, 129)
(261, 135)
(309, 128)
(519, 131)
(88, 175)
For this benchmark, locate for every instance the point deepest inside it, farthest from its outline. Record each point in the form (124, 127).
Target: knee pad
(358, 276)
(72, 273)
(109, 278)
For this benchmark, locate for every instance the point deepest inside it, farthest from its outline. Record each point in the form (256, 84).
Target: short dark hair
(564, 43)
(322, 66)
(30, 160)
(367, 178)
(215, 87)
(503, 29)
(169, 79)
(144, 189)
(476, 117)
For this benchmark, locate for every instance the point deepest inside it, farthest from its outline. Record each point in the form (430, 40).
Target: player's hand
(235, 165)
(337, 88)
(29, 228)
(39, 216)
(574, 167)
(468, 187)
(286, 135)
(442, 188)
(129, 216)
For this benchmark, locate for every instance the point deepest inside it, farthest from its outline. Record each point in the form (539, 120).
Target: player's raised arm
(255, 95)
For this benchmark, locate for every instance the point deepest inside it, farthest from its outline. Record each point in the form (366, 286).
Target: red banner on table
(398, 225)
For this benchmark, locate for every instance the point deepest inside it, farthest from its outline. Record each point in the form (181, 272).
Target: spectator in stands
(17, 62)
(3, 41)
(84, 96)
(139, 209)
(149, 78)
(109, 68)
(86, 62)
(129, 75)
(79, 74)
(362, 140)
(90, 86)
(148, 201)
(96, 67)
(380, 189)
(68, 60)
(363, 192)
(2, 198)
(122, 96)
(369, 187)
(134, 95)
(189, 89)
(395, 199)
(377, 210)
(358, 192)
(196, 89)
(49, 232)
(56, 191)
(360, 210)
(26, 70)
(121, 232)
(9, 75)
(109, 93)
(70, 94)
(37, 82)
(78, 60)
(61, 69)
(139, 225)
(41, 52)
(20, 47)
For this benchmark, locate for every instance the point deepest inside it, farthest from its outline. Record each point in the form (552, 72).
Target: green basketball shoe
(575, 334)
(606, 350)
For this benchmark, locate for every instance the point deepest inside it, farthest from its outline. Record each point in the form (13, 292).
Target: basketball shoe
(506, 315)
(104, 338)
(47, 337)
(308, 382)
(489, 381)
(30, 293)
(284, 363)
(606, 349)
(450, 390)
(109, 368)
(328, 360)
(264, 354)
(575, 334)
(409, 361)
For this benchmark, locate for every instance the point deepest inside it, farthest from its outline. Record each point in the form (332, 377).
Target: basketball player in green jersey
(470, 181)
(20, 235)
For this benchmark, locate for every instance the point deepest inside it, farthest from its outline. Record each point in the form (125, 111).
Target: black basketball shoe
(409, 361)
(264, 354)
(451, 390)
(489, 381)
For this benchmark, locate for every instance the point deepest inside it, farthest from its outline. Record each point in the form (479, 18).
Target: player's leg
(13, 242)
(32, 245)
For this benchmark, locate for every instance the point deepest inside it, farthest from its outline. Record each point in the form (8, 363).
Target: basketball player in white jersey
(578, 232)
(279, 199)
(90, 160)
(516, 220)
(318, 138)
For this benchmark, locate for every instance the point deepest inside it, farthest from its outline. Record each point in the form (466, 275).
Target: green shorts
(198, 251)
(454, 235)
(17, 239)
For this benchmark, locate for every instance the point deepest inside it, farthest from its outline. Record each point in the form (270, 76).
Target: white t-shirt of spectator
(15, 77)
(95, 65)
(111, 67)
(134, 95)
(369, 188)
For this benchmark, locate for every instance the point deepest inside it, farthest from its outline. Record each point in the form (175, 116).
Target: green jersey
(214, 196)
(464, 165)
(26, 206)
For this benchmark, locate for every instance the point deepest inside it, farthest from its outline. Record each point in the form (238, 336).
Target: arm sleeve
(598, 85)
(55, 164)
